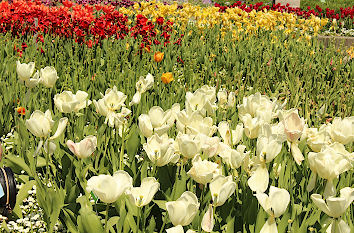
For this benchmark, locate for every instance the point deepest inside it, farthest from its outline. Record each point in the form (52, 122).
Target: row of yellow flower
(234, 19)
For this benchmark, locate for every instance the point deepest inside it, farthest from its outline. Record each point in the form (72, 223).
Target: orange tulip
(21, 111)
(158, 56)
(167, 77)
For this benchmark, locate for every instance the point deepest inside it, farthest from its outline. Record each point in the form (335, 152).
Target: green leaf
(160, 203)
(17, 163)
(22, 194)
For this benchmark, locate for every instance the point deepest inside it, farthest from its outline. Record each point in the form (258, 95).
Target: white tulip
(293, 126)
(109, 188)
(32, 82)
(222, 97)
(252, 126)
(160, 119)
(317, 138)
(210, 145)
(160, 150)
(335, 207)
(259, 180)
(48, 76)
(234, 158)
(24, 70)
(257, 106)
(195, 124)
(142, 86)
(188, 145)
(145, 125)
(203, 171)
(275, 205)
(84, 148)
(330, 163)
(40, 124)
(208, 220)
(178, 229)
(221, 188)
(68, 102)
(143, 195)
(231, 100)
(49, 148)
(230, 137)
(203, 100)
(183, 210)
(136, 99)
(268, 148)
(342, 130)
(114, 99)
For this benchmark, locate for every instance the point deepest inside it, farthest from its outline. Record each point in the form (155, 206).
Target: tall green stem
(106, 218)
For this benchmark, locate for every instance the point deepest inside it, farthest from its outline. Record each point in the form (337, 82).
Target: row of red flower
(328, 13)
(84, 23)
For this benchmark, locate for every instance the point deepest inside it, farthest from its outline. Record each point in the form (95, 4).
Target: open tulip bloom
(109, 188)
(183, 210)
(40, 125)
(335, 207)
(275, 205)
(143, 195)
(67, 102)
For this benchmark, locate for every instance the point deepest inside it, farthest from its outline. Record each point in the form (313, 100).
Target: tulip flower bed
(129, 120)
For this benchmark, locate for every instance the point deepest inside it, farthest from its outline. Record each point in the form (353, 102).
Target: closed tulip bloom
(40, 123)
(203, 171)
(335, 207)
(24, 70)
(210, 145)
(275, 205)
(189, 145)
(166, 78)
(143, 195)
(328, 164)
(342, 130)
(293, 126)
(109, 188)
(48, 76)
(158, 56)
(160, 150)
(68, 102)
(221, 188)
(145, 125)
(222, 97)
(183, 210)
(84, 148)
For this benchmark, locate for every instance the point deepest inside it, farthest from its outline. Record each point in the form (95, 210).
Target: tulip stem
(138, 220)
(106, 218)
(121, 151)
(164, 223)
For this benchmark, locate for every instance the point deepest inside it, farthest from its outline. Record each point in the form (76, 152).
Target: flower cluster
(84, 23)
(328, 13)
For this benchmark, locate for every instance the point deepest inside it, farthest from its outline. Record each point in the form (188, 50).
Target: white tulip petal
(279, 200)
(61, 127)
(259, 180)
(208, 220)
(269, 227)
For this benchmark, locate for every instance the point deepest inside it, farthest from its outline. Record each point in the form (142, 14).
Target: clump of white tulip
(47, 76)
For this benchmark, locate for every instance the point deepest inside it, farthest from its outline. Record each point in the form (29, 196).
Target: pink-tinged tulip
(84, 148)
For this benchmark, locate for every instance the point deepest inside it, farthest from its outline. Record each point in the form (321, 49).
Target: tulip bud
(167, 78)
(24, 70)
(48, 76)
(84, 148)
(158, 56)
